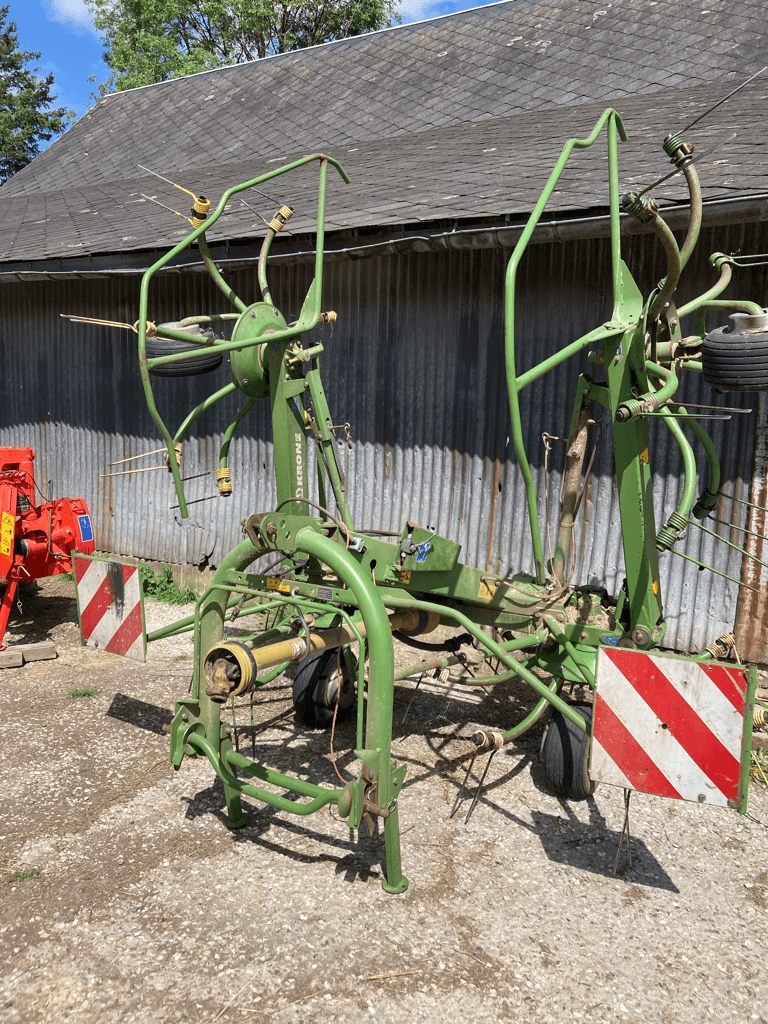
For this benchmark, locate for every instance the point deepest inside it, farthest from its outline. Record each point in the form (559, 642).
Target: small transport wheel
(565, 754)
(735, 358)
(171, 346)
(316, 688)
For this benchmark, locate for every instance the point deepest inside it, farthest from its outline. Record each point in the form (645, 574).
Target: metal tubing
(274, 778)
(559, 635)
(689, 463)
(221, 765)
(262, 265)
(218, 280)
(713, 462)
(428, 665)
(611, 117)
(230, 431)
(198, 411)
(380, 683)
(532, 718)
(673, 265)
(194, 235)
(396, 601)
(598, 334)
(700, 303)
(694, 225)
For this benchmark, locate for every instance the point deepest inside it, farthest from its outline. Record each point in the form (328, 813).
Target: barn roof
(479, 65)
(467, 175)
(454, 170)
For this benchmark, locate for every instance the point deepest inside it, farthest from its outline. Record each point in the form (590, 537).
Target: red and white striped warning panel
(672, 726)
(111, 606)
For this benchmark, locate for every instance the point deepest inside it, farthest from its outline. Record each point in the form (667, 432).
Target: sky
(62, 31)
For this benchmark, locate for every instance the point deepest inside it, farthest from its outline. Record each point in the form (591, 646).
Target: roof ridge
(317, 46)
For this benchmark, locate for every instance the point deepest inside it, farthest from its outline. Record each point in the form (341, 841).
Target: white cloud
(73, 14)
(420, 10)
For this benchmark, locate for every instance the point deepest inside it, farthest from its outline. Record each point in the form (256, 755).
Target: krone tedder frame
(341, 593)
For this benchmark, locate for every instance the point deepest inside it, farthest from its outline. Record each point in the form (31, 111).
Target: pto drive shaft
(231, 667)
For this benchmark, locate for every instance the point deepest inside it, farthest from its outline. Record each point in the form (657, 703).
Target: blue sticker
(86, 529)
(611, 641)
(423, 551)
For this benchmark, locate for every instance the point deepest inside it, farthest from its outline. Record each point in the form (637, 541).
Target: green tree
(149, 41)
(26, 115)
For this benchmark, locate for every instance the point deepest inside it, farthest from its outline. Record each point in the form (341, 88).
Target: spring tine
(95, 320)
(717, 408)
(457, 801)
(717, 572)
(160, 176)
(726, 97)
(756, 259)
(158, 203)
(741, 501)
(127, 472)
(197, 476)
(195, 502)
(732, 526)
(624, 831)
(479, 789)
(413, 697)
(730, 544)
(672, 174)
(683, 416)
(132, 458)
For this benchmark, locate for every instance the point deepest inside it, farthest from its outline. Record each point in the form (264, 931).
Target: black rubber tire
(184, 367)
(315, 687)
(565, 755)
(735, 362)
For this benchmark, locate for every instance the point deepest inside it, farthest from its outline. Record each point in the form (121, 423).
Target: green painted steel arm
(398, 601)
(309, 314)
(612, 119)
(198, 411)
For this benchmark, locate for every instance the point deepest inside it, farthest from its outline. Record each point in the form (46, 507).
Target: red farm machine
(36, 540)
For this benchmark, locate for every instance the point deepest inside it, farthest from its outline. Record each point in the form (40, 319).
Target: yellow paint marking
(6, 533)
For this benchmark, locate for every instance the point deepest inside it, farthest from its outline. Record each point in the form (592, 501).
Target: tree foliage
(26, 115)
(149, 41)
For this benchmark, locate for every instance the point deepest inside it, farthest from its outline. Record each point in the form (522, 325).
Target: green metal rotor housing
(248, 364)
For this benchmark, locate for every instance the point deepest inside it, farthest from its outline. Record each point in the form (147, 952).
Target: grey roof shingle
(468, 172)
(487, 63)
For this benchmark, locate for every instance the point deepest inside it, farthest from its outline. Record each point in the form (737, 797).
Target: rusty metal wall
(415, 366)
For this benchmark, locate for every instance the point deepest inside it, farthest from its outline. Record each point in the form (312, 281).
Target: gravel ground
(141, 906)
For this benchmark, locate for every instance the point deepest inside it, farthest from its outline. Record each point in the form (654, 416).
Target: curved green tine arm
(228, 434)
(199, 233)
(674, 266)
(394, 600)
(677, 520)
(708, 299)
(224, 479)
(198, 411)
(266, 245)
(694, 224)
(218, 280)
(612, 118)
(708, 498)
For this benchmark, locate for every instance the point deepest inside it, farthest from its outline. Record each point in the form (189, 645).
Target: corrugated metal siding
(415, 365)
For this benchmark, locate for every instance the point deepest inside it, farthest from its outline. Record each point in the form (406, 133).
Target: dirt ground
(126, 899)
